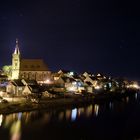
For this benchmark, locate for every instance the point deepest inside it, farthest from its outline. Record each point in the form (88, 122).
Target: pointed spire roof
(17, 47)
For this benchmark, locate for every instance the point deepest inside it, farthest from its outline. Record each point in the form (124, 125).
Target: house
(70, 83)
(92, 79)
(79, 83)
(31, 87)
(15, 87)
(88, 87)
(3, 84)
(56, 76)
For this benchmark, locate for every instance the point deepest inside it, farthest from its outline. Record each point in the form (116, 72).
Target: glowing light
(47, 81)
(72, 88)
(96, 109)
(110, 85)
(1, 93)
(97, 87)
(80, 111)
(16, 130)
(71, 73)
(74, 114)
(98, 74)
(135, 86)
(1, 119)
(136, 96)
(19, 115)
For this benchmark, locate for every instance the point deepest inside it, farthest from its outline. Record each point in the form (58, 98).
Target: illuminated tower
(16, 62)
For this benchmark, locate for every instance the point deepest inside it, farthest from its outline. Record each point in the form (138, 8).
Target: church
(32, 69)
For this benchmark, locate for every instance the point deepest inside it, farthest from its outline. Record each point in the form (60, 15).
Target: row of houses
(65, 82)
(19, 87)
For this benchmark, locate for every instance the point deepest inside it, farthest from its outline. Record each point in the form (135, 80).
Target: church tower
(16, 62)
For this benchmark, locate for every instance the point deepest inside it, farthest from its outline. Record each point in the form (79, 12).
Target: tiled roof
(33, 65)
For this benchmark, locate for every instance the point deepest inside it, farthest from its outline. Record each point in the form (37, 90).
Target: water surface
(112, 120)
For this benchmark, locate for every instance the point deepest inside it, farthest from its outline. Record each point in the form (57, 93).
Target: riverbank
(54, 103)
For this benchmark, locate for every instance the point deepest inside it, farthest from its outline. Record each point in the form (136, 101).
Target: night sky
(80, 35)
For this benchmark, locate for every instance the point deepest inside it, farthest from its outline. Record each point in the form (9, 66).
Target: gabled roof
(29, 82)
(17, 83)
(56, 74)
(33, 65)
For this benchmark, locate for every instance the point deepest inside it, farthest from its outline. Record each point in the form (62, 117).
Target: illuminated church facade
(32, 69)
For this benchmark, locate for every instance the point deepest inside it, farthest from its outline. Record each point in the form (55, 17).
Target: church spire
(16, 62)
(17, 47)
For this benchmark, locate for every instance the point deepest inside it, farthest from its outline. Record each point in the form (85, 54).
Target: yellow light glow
(135, 86)
(97, 87)
(16, 130)
(1, 119)
(47, 81)
(96, 109)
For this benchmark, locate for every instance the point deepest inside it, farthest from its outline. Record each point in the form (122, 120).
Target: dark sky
(80, 35)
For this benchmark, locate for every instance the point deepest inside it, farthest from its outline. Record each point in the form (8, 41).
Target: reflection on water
(136, 96)
(16, 130)
(127, 99)
(89, 110)
(111, 105)
(96, 109)
(17, 122)
(61, 116)
(1, 119)
(74, 114)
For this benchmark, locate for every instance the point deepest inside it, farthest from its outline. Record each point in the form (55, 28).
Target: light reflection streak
(80, 111)
(61, 116)
(96, 109)
(110, 105)
(1, 119)
(89, 110)
(16, 129)
(136, 96)
(74, 114)
(127, 99)
(68, 114)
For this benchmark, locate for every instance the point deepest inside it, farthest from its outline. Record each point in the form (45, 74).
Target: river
(113, 120)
